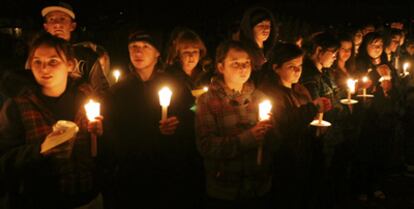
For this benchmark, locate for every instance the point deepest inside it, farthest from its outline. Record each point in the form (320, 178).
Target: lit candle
(116, 74)
(264, 110)
(405, 68)
(165, 98)
(351, 88)
(364, 81)
(92, 111)
(199, 92)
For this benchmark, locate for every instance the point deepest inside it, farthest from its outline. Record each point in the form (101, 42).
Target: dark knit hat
(146, 36)
(58, 6)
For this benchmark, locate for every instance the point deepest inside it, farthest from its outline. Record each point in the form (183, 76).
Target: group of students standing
(212, 151)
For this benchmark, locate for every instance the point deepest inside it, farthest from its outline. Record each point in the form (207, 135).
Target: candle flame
(92, 109)
(205, 88)
(264, 110)
(351, 85)
(116, 74)
(165, 96)
(406, 66)
(365, 79)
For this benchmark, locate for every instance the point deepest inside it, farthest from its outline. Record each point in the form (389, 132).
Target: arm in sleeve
(312, 87)
(97, 78)
(15, 155)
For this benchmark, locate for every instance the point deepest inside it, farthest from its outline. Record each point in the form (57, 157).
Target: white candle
(405, 68)
(165, 98)
(320, 117)
(93, 110)
(264, 110)
(351, 87)
(116, 74)
(364, 80)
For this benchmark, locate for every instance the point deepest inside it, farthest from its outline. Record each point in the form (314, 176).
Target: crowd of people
(211, 150)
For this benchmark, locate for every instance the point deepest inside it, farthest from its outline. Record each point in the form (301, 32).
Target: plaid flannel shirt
(41, 180)
(223, 120)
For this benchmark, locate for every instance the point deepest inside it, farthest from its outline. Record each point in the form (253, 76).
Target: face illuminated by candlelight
(189, 57)
(345, 51)
(143, 55)
(261, 31)
(59, 24)
(375, 48)
(290, 71)
(235, 68)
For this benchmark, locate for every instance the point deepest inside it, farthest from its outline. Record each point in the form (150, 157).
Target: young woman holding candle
(189, 66)
(66, 175)
(317, 78)
(344, 66)
(293, 110)
(379, 120)
(229, 134)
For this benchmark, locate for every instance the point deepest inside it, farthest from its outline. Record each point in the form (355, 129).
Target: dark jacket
(149, 165)
(320, 84)
(90, 69)
(292, 110)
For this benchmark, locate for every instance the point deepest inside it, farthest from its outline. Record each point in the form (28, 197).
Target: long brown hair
(63, 49)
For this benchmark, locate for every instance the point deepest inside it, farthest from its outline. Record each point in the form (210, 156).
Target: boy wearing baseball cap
(59, 20)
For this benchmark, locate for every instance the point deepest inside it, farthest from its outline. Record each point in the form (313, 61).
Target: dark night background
(108, 22)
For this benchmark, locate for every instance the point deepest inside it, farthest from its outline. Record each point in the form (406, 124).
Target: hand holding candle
(165, 98)
(323, 104)
(264, 111)
(93, 113)
(386, 84)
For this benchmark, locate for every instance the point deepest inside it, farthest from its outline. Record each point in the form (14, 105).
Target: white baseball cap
(59, 6)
